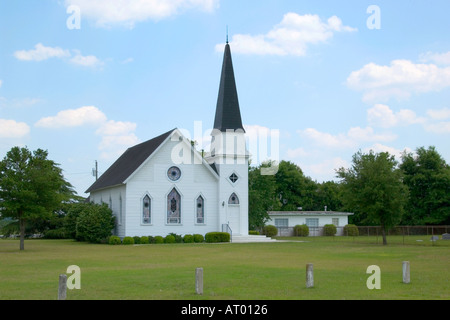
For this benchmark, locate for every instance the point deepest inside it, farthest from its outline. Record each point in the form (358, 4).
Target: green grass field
(250, 271)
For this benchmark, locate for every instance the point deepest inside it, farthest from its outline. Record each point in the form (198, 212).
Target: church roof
(128, 163)
(228, 114)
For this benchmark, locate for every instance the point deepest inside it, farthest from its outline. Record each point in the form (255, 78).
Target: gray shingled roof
(128, 163)
(228, 114)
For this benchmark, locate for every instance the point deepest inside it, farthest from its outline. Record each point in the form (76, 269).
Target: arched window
(146, 210)
(200, 210)
(174, 207)
(233, 199)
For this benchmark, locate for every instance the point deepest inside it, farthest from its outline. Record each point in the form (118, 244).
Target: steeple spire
(228, 114)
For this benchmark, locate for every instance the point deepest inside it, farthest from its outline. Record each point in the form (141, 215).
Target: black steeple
(228, 114)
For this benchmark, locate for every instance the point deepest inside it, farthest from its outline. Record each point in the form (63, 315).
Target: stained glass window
(233, 199)
(234, 178)
(174, 207)
(200, 210)
(146, 210)
(174, 173)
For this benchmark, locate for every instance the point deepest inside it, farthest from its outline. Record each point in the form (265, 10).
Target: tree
(31, 187)
(427, 176)
(374, 185)
(262, 196)
(293, 188)
(94, 223)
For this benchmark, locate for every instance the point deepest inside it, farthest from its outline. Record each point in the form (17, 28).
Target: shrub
(159, 240)
(270, 231)
(253, 232)
(144, 240)
(169, 239)
(128, 240)
(351, 230)
(178, 238)
(198, 238)
(151, 239)
(329, 230)
(59, 233)
(301, 230)
(94, 223)
(114, 240)
(137, 239)
(188, 238)
(212, 237)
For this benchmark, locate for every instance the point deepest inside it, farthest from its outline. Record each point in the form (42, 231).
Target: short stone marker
(309, 275)
(62, 288)
(406, 272)
(199, 280)
(434, 238)
(446, 236)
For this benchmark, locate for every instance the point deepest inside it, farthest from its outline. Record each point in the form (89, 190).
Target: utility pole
(95, 171)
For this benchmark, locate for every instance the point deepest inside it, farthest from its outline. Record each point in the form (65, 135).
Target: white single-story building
(285, 221)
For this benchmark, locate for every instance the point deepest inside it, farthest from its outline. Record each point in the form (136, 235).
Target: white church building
(164, 185)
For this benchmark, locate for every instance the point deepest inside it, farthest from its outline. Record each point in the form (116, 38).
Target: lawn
(250, 271)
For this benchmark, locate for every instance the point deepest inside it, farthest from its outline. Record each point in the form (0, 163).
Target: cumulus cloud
(351, 139)
(383, 116)
(127, 13)
(399, 80)
(115, 136)
(437, 58)
(291, 36)
(13, 129)
(73, 118)
(41, 52)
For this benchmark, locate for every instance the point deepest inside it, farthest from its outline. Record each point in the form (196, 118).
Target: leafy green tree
(427, 176)
(293, 188)
(374, 185)
(94, 223)
(262, 196)
(328, 194)
(31, 187)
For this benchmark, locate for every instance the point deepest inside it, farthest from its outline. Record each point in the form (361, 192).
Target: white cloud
(116, 136)
(127, 13)
(377, 148)
(290, 37)
(73, 118)
(442, 127)
(438, 58)
(1, 82)
(440, 114)
(86, 61)
(351, 139)
(41, 52)
(13, 129)
(382, 116)
(399, 80)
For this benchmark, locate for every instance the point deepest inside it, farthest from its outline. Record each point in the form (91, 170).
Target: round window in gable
(174, 173)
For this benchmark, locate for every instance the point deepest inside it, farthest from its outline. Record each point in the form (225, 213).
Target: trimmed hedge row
(170, 238)
(212, 237)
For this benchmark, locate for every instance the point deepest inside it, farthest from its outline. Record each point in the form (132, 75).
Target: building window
(233, 178)
(281, 223)
(335, 221)
(146, 210)
(200, 210)
(312, 222)
(174, 173)
(174, 207)
(233, 199)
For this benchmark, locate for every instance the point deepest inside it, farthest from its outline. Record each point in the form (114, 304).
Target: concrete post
(309, 275)
(406, 272)
(199, 280)
(62, 288)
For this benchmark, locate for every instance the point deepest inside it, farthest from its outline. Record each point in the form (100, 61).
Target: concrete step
(251, 238)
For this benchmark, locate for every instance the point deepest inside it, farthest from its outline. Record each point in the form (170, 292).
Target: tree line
(34, 195)
(377, 188)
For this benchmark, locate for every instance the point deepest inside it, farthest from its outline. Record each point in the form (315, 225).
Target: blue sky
(332, 77)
